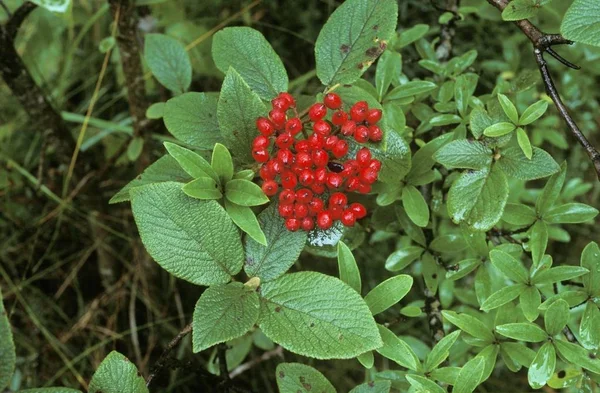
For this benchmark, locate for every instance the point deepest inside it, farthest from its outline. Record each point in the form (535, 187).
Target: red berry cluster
(307, 164)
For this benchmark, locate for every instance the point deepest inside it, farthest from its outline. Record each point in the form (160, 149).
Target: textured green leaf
(556, 317)
(282, 250)
(502, 296)
(415, 206)
(394, 157)
(245, 193)
(349, 272)
(7, 348)
(530, 300)
(559, 273)
(245, 219)
(441, 351)
(50, 390)
(202, 188)
(470, 325)
(463, 91)
(192, 118)
(300, 378)
(424, 385)
(168, 61)
(373, 387)
(469, 376)
(520, 9)
(514, 163)
(400, 259)
(551, 191)
(589, 334)
(478, 198)
(388, 67)
(222, 313)
(410, 89)
(538, 241)
(165, 169)
(523, 331)
(499, 129)
(524, 143)
(581, 23)
(511, 267)
(508, 107)
(247, 50)
(116, 374)
(479, 120)
(396, 349)
(354, 36)
(464, 153)
(222, 163)
(570, 213)
(315, 315)
(533, 112)
(518, 214)
(590, 259)
(193, 163)
(191, 239)
(237, 111)
(542, 367)
(578, 355)
(388, 293)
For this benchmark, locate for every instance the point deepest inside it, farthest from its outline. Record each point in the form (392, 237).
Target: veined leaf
(522, 331)
(396, 349)
(245, 219)
(388, 293)
(245, 193)
(580, 23)
(117, 374)
(469, 376)
(300, 378)
(508, 107)
(514, 163)
(193, 163)
(349, 272)
(542, 367)
(169, 62)
(464, 153)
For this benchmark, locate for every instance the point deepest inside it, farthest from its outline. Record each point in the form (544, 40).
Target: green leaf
(247, 50)
(282, 250)
(410, 89)
(400, 259)
(580, 22)
(202, 188)
(192, 118)
(589, 334)
(316, 315)
(556, 317)
(396, 349)
(542, 367)
(354, 36)
(191, 162)
(463, 91)
(470, 325)
(479, 120)
(422, 384)
(508, 107)
(441, 351)
(519, 214)
(156, 110)
(116, 374)
(394, 157)
(50, 390)
(245, 193)
(499, 129)
(169, 62)
(222, 313)
(533, 112)
(519, 353)
(415, 205)
(523, 331)
(237, 111)
(509, 266)
(463, 268)
(7, 348)
(349, 272)
(60, 6)
(524, 143)
(577, 355)
(299, 378)
(245, 219)
(478, 198)
(514, 163)
(464, 153)
(530, 300)
(191, 239)
(165, 169)
(520, 9)
(590, 259)
(222, 163)
(134, 148)
(444, 120)
(469, 376)
(373, 387)
(570, 213)
(245, 174)
(502, 296)
(551, 191)
(410, 35)
(388, 293)
(388, 66)
(538, 241)
(559, 273)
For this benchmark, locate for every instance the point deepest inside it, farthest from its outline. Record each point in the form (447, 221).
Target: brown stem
(543, 42)
(162, 360)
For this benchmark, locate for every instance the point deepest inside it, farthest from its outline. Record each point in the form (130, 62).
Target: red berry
(300, 210)
(373, 116)
(270, 188)
(334, 180)
(358, 209)
(321, 175)
(315, 206)
(284, 141)
(286, 211)
(280, 103)
(353, 184)
(351, 167)
(317, 111)
(302, 145)
(316, 141)
(348, 128)
(375, 164)
(304, 195)
(289, 98)
(287, 197)
(324, 220)
(338, 199)
(336, 213)
(375, 133)
(278, 118)
(265, 126)
(265, 173)
(348, 218)
(307, 224)
(275, 166)
(364, 188)
(368, 175)
(317, 188)
(361, 134)
(260, 142)
(319, 158)
(330, 142)
(297, 169)
(340, 149)
(358, 112)
(260, 155)
(363, 157)
(303, 159)
(286, 157)
(292, 224)
(321, 127)
(293, 126)
(339, 118)
(288, 179)
(332, 101)
(306, 177)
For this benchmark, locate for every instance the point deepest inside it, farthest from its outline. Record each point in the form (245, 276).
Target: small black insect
(335, 167)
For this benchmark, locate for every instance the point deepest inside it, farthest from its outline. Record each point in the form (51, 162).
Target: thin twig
(254, 362)
(162, 360)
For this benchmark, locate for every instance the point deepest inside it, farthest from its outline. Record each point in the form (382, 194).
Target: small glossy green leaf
(559, 273)
(464, 153)
(117, 374)
(245, 219)
(202, 188)
(191, 162)
(570, 213)
(511, 267)
(349, 272)
(156, 110)
(518, 214)
(523, 331)
(519, 353)
(502, 296)
(410, 89)
(533, 112)
(590, 259)
(470, 325)
(542, 367)
(245, 193)
(7, 348)
(388, 66)
(134, 148)
(400, 259)
(509, 108)
(589, 334)
(388, 293)
(422, 384)
(530, 300)
(441, 351)
(300, 378)
(373, 387)
(463, 268)
(396, 349)
(169, 62)
(444, 120)
(577, 355)
(463, 91)
(556, 317)
(524, 143)
(415, 206)
(551, 191)
(580, 23)
(469, 376)
(222, 163)
(245, 174)
(499, 129)
(514, 163)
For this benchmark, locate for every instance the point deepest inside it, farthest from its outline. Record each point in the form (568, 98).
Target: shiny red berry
(303, 159)
(368, 175)
(358, 112)
(315, 206)
(373, 116)
(265, 126)
(334, 180)
(293, 126)
(339, 118)
(338, 199)
(363, 157)
(348, 218)
(318, 188)
(289, 98)
(278, 118)
(286, 211)
(332, 101)
(348, 128)
(361, 134)
(358, 210)
(284, 140)
(260, 155)
(321, 175)
(320, 158)
(287, 197)
(340, 149)
(321, 127)
(289, 179)
(307, 224)
(316, 141)
(265, 173)
(270, 188)
(324, 220)
(304, 195)
(275, 166)
(286, 157)
(292, 224)
(280, 103)
(302, 145)
(375, 133)
(306, 177)
(364, 188)
(317, 111)
(300, 210)
(260, 142)
(330, 142)
(353, 184)
(336, 213)
(375, 164)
